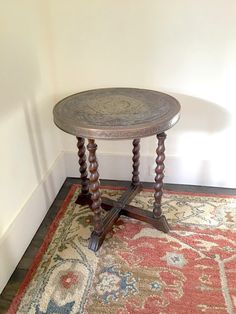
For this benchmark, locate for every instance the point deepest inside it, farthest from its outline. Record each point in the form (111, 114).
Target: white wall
(30, 147)
(184, 47)
(50, 49)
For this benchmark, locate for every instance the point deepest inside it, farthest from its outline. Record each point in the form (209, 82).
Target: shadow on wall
(21, 82)
(22, 107)
(201, 115)
(194, 143)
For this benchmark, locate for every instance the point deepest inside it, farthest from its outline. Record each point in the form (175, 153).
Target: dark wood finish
(139, 214)
(17, 277)
(121, 207)
(158, 186)
(116, 113)
(129, 194)
(115, 209)
(96, 239)
(126, 197)
(83, 165)
(146, 216)
(85, 196)
(94, 187)
(136, 156)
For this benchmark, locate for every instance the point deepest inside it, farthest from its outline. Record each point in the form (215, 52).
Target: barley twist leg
(136, 156)
(94, 187)
(158, 186)
(83, 166)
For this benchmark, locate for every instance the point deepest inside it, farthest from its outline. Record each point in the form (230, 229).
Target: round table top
(116, 113)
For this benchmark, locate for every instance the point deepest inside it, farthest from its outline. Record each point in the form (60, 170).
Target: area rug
(138, 270)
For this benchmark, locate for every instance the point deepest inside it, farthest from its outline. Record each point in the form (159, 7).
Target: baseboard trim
(18, 236)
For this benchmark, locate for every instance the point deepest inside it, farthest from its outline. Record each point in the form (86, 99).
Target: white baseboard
(178, 170)
(20, 233)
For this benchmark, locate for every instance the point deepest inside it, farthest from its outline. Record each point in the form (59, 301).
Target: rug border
(49, 234)
(38, 257)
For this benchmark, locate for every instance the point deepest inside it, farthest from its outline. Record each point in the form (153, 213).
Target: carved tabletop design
(116, 113)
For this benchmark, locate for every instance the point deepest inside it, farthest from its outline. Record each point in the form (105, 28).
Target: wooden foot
(96, 239)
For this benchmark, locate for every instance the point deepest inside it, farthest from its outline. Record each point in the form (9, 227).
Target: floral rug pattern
(138, 270)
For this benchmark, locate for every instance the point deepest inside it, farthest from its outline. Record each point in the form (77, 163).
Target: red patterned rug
(138, 270)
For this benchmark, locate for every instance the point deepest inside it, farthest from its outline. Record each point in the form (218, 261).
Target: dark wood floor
(21, 269)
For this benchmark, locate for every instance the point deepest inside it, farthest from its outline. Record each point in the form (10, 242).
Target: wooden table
(116, 114)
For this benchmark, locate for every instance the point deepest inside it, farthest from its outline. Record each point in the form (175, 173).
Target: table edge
(120, 133)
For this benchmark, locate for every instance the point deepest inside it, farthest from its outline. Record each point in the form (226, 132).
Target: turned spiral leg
(94, 187)
(83, 166)
(158, 186)
(136, 155)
